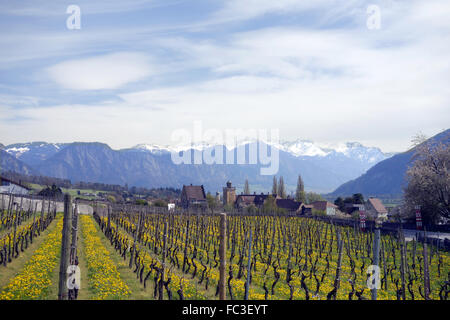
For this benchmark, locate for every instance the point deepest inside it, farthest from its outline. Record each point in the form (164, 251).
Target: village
(194, 197)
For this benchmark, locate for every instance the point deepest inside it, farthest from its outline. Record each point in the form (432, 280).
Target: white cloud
(324, 84)
(110, 71)
(242, 10)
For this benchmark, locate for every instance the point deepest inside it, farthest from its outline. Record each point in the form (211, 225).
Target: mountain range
(323, 168)
(388, 176)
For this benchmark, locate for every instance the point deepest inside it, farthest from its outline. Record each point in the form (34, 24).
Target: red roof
(323, 205)
(194, 192)
(288, 204)
(377, 205)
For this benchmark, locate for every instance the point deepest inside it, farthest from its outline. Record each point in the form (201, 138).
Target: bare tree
(418, 139)
(429, 181)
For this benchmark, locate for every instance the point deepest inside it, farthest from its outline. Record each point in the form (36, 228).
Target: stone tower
(229, 194)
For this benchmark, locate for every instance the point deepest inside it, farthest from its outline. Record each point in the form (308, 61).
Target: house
(375, 208)
(9, 186)
(351, 207)
(326, 206)
(193, 196)
(307, 209)
(290, 205)
(244, 200)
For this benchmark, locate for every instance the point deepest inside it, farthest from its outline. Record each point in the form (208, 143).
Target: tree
(211, 200)
(52, 191)
(312, 197)
(251, 208)
(281, 188)
(141, 202)
(340, 203)
(270, 205)
(418, 139)
(300, 192)
(274, 186)
(246, 187)
(358, 198)
(228, 207)
(429, 182)
(160, 203)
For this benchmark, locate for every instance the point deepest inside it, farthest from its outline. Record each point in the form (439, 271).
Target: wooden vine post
(134, 242)
(402, 263)
(41, 225)
(426, 271)
(249, 271)
(376, 257)
(337, 279)
(16, 216)
(222, 255)
(73, 250)
(73, 247)
(65, 245)
(186, 244)
(108, 226)
(161, 283)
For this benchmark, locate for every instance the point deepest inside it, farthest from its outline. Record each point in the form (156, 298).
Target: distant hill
(11, 163)
(386, 177)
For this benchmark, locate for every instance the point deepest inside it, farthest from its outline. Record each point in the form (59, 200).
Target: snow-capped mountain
(323, 168)
(152, 148)
(297, 148)
(32, 153)
(303, 148)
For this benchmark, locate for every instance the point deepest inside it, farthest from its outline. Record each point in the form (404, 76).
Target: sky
(136, 71)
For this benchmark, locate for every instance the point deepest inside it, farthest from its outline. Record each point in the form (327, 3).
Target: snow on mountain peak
(153, 148)
(297, 148)
(303, 148)
(17, 151)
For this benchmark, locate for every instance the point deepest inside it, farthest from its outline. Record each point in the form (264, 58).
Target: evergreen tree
(300, 193)
(269, 205)
(281, 188)
(246, 187)
(340, 203)
(274, 186)
(358, 198)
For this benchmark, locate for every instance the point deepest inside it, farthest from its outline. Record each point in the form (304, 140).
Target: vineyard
(128, 252)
